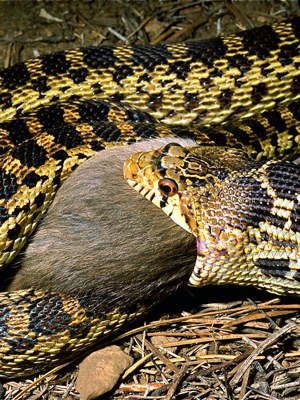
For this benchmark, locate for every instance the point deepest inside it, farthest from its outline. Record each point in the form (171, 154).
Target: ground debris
(223, 350)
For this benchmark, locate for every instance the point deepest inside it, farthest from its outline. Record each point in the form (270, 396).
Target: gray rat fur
(102, 240)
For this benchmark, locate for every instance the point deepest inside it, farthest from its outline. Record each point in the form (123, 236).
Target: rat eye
(167, 186)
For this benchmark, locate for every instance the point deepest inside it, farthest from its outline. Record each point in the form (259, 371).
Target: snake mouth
(145, 173)
(130, 173)
(139, 168)
(137, 171)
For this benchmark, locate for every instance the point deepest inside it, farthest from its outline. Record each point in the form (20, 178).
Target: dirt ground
(30, 28)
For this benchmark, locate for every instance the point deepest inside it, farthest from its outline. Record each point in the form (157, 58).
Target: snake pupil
(168, 186)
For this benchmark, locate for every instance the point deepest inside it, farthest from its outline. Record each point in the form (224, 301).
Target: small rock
(100, 371)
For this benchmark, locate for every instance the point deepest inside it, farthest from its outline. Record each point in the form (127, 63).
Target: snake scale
(60, 109)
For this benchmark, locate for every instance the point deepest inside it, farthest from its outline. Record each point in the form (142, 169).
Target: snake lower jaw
(206, 273)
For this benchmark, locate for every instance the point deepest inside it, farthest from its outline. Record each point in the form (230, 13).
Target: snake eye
(167, 186)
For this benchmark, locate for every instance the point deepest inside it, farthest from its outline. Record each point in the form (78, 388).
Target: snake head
(159, 176)
(246, 230)
(174, 178)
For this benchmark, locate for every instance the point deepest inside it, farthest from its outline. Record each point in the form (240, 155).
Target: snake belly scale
(50, 124)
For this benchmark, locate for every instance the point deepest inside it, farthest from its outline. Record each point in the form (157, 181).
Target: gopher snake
(244, 214)
(50, 102)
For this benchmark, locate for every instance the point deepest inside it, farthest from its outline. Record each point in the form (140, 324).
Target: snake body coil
(51, 121)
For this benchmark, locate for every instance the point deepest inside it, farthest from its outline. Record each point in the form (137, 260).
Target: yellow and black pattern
(37, 167)
(207, 81)
(244, 214)
(59, 109)
(39, 329)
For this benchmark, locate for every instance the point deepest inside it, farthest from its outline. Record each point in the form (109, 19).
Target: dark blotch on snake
(18, 130)
(15, 76)
(274, 118)
(150, 57)
(258, 91)
(260, 41)
(99, 57)
(78, 75)
(55, 64)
